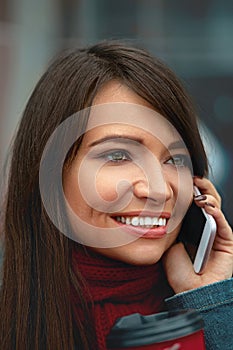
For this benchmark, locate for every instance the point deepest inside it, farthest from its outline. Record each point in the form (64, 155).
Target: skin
(220, 263)
(157, 194)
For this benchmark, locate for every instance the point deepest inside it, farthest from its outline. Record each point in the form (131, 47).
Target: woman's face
(130, 183)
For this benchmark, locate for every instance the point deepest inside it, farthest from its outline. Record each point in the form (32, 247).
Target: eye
(179, 160)
(116, 156)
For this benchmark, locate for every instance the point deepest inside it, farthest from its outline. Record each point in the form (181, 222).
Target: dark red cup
(175, 330)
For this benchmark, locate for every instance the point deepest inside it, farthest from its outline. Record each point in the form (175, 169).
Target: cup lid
(137, 330)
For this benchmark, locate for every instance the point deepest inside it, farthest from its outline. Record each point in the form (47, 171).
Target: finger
(224, 237)
(206, 187)
(202, 199)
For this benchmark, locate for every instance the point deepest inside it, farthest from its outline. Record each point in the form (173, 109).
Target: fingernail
(210, 205)
(200, 197)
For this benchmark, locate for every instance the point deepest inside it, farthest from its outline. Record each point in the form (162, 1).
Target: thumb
(178, 268)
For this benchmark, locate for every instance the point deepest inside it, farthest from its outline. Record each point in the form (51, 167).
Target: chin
(142, 260)
(133, 255)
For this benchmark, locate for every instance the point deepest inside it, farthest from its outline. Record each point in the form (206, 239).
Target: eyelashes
(121, 156)
(180, 160)
(116, 156)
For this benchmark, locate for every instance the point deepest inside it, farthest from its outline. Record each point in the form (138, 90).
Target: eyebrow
(117, 138)
(178, 144)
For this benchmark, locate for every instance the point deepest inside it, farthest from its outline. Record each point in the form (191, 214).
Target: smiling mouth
(148, 222)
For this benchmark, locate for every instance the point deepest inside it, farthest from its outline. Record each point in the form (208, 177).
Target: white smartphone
(206, 239)
(198, 233)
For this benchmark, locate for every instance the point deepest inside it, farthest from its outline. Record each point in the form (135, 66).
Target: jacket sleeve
(215, 304)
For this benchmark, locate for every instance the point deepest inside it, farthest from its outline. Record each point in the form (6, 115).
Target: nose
(152, 185)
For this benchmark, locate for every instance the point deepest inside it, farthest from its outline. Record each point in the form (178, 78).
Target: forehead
(127, 119)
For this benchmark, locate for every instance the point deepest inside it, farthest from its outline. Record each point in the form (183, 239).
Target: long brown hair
(36, 311)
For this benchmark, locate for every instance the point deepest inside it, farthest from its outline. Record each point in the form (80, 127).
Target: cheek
(185, 186)
(72, 192)
(106, 185)
(183, 195)
(182, 184)
(107, 189)
(112, 184)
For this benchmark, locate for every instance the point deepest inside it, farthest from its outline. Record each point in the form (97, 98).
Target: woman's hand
(177, 264)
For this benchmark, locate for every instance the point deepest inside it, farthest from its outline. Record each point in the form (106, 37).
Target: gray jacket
(215, 304)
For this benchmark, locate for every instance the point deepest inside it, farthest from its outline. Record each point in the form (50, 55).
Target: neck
(116, 289)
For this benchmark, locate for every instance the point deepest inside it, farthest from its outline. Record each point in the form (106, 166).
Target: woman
(63, 287)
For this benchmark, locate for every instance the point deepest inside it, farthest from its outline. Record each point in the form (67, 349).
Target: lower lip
(141, 232)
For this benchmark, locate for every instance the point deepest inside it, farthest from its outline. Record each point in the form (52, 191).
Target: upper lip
(143, 213)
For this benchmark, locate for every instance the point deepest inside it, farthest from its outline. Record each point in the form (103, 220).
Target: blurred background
(195, 38)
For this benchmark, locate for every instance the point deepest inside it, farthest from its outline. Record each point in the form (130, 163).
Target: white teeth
(128, 221)
(142, 221)
(148, 221)
(160, 222)
(155, 221)
(135, 221)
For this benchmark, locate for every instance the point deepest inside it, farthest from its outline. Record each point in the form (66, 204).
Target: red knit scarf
(118, 289)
